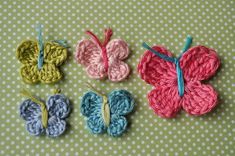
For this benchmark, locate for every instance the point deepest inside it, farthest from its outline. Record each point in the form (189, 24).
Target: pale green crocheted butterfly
(40, 61)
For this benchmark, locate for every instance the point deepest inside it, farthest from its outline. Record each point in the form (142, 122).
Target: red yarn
(198, 63)
(107, 34)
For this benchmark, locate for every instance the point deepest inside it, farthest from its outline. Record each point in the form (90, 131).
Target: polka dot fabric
(163, 22)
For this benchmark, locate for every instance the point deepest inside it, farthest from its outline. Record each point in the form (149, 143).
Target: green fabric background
(165, 22)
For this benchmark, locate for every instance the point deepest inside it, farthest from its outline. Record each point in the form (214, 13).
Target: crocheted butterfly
(103, 59)
(41, 61)
(106, 113)
(46, 118)
(166, 73)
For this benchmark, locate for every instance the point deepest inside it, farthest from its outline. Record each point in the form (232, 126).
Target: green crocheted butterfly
(40, 61)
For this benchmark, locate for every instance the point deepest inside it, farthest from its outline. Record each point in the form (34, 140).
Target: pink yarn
(103, 59)
(198, 63)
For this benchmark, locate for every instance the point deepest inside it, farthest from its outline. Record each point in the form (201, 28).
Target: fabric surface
(155, 22)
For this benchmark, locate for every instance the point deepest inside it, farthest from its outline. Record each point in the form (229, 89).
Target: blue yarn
(58, 107)
(63, 43)
(41, 47)
(120, 103)
(176, 61)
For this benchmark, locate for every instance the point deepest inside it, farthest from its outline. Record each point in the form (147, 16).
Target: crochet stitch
(106, 113)
(103, 59)
(157, 67)
(46, 118)
(41, 61)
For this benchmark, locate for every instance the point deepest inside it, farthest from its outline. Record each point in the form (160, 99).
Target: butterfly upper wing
(58, 105)
(157, 71)
(121, 103)
(91, 108)
(54, 53)
(199, 63)
(31, 113)
(27, 52)
(117, 50)
(90, 55)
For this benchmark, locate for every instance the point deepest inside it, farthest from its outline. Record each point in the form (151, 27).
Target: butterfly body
(107, 115)
(197, 63)
(46, 118)
(103, 59)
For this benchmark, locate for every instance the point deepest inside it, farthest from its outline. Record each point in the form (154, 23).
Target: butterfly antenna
(88, 85)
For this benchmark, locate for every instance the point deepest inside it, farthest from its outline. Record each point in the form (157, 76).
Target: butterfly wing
(90, 55)
(157, 71)
(31, 113)
(199, 98)
(58, 107)
(121, 103)
(165, 101)
(117, 50)
(49, 73)
(27, 53)
(91, 108)
(54, 53)
(199, 63)
(55, 127)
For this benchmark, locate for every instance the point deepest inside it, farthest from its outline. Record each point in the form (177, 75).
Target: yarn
(106, 113)
(46, 118)
(197, 64)
(103, 59)
(180, 79)
(41, 61)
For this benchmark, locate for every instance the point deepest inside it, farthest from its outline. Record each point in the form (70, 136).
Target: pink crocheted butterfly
(177, 81)
(103, 59)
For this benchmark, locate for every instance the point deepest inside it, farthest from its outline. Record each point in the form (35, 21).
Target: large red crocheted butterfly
(158, 68)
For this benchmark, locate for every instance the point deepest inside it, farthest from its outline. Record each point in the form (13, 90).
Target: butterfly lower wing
(118, 70)
(30, 73)
(58, 105)
(49, 73)
(121, 102)
(95, 123)
(199, 63)
(55, 127)
(117, 126)
(156, 71)
(31, 113)
(198, 98)
(165, 101)
(27, 52)
(117, 49)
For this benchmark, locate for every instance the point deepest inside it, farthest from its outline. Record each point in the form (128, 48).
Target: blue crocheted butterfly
(46, 118)
(107, 113)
